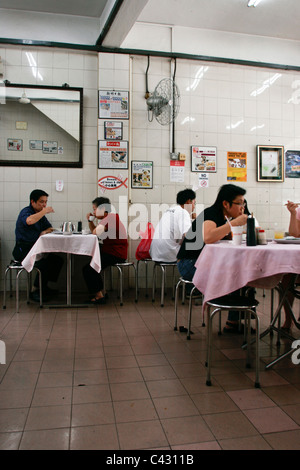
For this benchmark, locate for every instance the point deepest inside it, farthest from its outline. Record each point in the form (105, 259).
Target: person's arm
(212, 233)
(34, 218)
(294, 226)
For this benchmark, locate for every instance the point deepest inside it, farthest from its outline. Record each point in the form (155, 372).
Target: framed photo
(204, 159)
(292, 164)
(270, 163)
(141, 175)
(113, 154)
(113, 130)
(50, 146)
(113, 104)
(36, 145)
(15, 145)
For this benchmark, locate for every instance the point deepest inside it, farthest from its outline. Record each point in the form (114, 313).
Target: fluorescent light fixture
(253, 3)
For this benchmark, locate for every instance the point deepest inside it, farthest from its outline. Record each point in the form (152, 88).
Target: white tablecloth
(223, 268)
(58, 243)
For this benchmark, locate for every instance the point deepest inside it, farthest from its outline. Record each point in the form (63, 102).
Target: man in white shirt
(172, 227)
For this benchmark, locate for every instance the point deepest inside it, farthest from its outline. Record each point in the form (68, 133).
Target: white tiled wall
(51, 67)
(214, 99)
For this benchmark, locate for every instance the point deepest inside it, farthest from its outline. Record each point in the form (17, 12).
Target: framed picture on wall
(292, 164)
(15, 144)
(113, 130)
(113, 154)
(141, 175)
(113, 104)
(270, 163)
(204, 159)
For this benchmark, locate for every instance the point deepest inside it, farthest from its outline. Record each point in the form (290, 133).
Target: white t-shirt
(168, 234)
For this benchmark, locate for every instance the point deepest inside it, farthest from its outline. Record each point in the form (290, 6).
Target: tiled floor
(119, 378)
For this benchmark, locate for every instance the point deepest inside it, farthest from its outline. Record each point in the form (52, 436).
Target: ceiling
(107, 22)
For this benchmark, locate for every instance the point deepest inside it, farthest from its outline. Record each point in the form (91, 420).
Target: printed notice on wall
(177, 171)
(236, 166)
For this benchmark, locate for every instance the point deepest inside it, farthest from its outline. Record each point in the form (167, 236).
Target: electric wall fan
(164, 103)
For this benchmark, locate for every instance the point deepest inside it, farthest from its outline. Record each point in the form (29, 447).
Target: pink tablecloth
(223, 268)
(58, 243)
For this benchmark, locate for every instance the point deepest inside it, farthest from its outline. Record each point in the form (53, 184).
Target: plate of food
(287, 240)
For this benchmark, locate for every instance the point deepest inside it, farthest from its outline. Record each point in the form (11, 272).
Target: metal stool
(18, 268)
(237, 303)
(120, 267)
(163, 266)
(184, 282)
(146, 261)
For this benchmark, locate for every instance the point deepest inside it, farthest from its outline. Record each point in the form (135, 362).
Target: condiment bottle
(262, 237)
(251, 233)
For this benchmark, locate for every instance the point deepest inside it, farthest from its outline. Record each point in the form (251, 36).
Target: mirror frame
(47, 162)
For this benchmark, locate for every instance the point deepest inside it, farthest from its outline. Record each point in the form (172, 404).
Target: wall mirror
(40, 126)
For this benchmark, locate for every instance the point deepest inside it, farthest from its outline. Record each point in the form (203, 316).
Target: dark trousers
(94, 280)
(50, 265)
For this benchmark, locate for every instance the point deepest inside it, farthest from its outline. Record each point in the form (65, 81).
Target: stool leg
(247, 327)
(163, 280)
(136, 283)
(153, 282)
(257, 384)
(17, 290)
(137, 276)
(176, 303)
(121, 285)
(4, 288)
(146, 269)
(40, 287)
(173, 284)
(10, 283)
(209, 344)
(190, 313)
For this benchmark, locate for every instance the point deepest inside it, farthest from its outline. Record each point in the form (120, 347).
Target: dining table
(223, 268)
(71, 244)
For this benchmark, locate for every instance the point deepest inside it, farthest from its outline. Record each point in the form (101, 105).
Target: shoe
(101, 301)
(35, 296)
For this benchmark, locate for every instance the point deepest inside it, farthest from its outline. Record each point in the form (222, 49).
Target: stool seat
(237, 303)
(233, 302)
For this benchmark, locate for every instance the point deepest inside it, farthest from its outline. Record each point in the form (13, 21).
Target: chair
(163, 266)
(120, 267)
(237, 303)
(184, 282)
(17, 267)
(146, 261)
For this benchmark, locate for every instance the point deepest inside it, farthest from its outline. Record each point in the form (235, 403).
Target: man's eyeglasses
(243, 204)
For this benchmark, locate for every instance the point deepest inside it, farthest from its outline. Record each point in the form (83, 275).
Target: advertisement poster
(204, 159)
(113, 104)
(113, 130)
(292, 164)
(141, 175)
(236, 166)
(113, 154)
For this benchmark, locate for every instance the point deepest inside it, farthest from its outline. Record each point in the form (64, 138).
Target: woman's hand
(240, 220)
